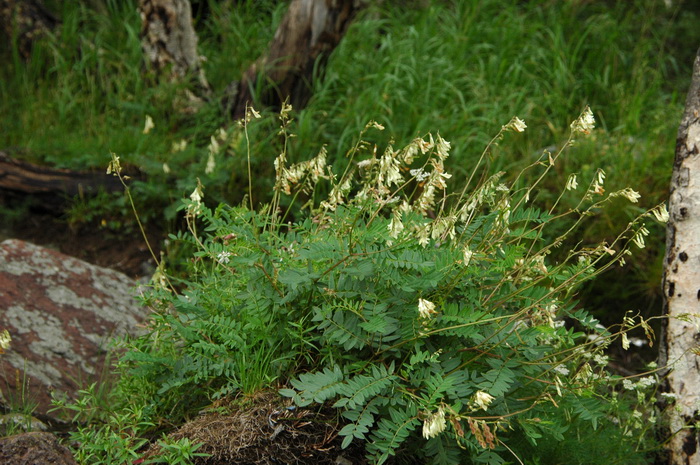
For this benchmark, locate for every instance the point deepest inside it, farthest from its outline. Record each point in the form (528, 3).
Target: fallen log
(27, 178)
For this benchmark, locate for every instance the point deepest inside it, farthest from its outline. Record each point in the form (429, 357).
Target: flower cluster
(585, 123)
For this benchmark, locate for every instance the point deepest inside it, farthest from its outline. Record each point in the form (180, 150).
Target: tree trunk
(310, 31)
(169, 41)
(24, 21)
(681, 285)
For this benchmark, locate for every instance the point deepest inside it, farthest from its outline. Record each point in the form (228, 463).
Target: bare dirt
(124, 251)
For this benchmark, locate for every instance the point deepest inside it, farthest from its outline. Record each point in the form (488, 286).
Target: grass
(461, 68)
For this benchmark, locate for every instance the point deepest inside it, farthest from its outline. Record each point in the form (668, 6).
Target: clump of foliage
(436, 323)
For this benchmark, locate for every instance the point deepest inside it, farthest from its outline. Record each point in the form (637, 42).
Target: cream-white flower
(516, 124)
(251, 113)
(375, 125)
(661, 213)
(434, 424)
(179, 146)
(571, 183)
(638, 237)
(482, 400)
(597, 187)
(631, 195)
(214, 146)
(423, 234)
(607, 249)
(585, 122)
(148, 125)
(196, 197)
(600, 174)
(625, 341)
(211, 164)
(561, 369)
(419, 173)
(114, 166)
(395, 225)
(442, 148)
(426, 308)
(468, 254)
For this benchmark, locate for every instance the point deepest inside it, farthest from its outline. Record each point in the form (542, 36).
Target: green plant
(402, 305)
(180, 452)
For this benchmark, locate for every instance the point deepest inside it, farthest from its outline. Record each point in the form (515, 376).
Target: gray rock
(34, 449)
(61, 313)
(19, 422)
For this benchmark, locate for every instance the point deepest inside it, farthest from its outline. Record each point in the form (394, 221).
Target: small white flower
(482, 400)
(419, 173)
(601, 359)
(631, 195)
(571, 183)
(395, 225)
(585, 122)
(608, 250)
(661, 213)
(600, 176)
(638, 237)
(625, 341)
(211, 164)
(149, 125)
(562, 370)
(375, 125)
(166, 168)
(251, 113)
(434, 424)
(426, 308)
(423, 234)
(516, 124)
(442, 148)
(223, 257)
(468, 254)
(213, 146)
(196, 197)
(179, 146)
(114, 165)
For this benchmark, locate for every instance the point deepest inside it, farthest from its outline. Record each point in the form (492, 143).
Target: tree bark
(25, 21)
(309, 32)
(169, 41)
(681, 285)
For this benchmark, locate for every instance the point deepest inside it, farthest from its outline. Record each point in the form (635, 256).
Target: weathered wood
(681, 286)
(22, 177)
(169, 41)
(24, 21)
(309, 32)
